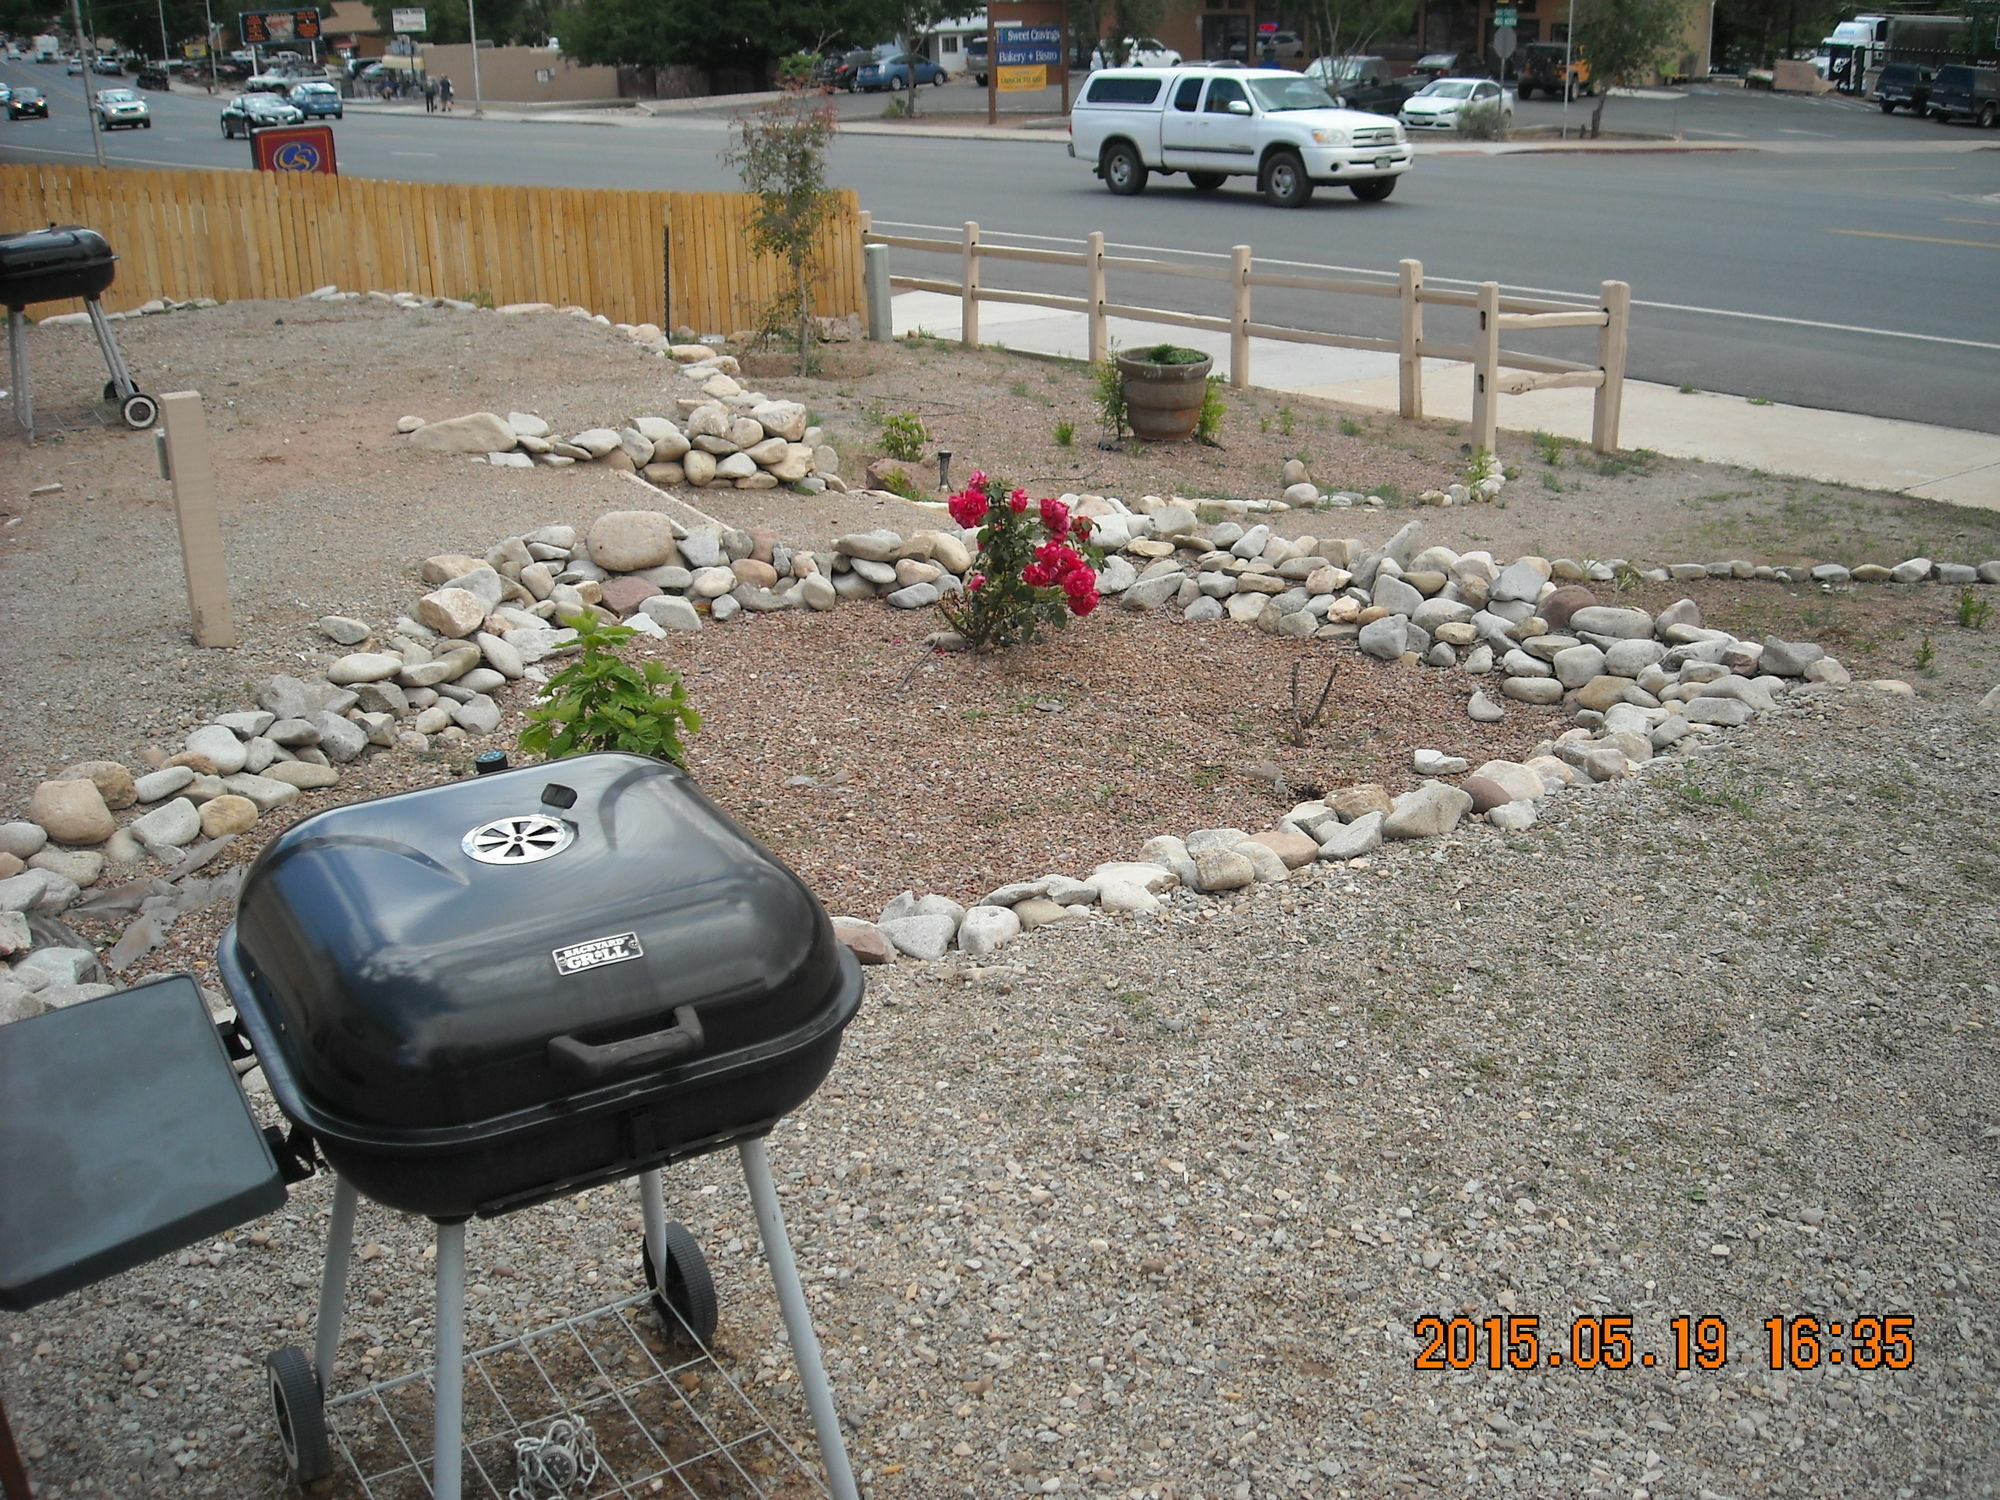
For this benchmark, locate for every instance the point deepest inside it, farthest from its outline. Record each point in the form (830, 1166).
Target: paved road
(1847, 263)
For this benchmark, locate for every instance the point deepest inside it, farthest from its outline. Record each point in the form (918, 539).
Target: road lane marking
(1917, 239)
(1900, 169)
(427, 155)
(1982, 223)
(1821, 134)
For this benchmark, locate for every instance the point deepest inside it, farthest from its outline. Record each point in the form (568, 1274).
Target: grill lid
(49, 265)
(515, 941)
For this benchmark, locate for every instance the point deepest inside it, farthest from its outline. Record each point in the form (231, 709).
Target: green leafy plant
(1550, 447)
(1065, 433)
(600, 701)
(1926, 654)
(898, 483)
(1287, 422)
(479, 297)
(1351, 428)
(904, 436)
(1760, 400)
(1973, 611)
(1482, 122)
(1169, 354)
(1109, 395)
(1689, 388)
(1209, 423)
(1033, 567)
(779, 151)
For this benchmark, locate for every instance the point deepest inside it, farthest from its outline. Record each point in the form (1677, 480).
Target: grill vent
(523, 840)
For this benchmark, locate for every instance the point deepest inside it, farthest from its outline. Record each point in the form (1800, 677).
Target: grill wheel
(687, 1304)
(295, 1401)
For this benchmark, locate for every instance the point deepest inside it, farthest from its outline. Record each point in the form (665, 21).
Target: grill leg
(798, 1318)
(17, 367)
(652, 1205)
(448, 1414)
(113, 360)
(333, 1282)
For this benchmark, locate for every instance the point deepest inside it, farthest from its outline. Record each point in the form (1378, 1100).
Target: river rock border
(1639, 686)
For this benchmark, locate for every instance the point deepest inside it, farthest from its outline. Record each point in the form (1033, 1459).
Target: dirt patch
(1159, 726)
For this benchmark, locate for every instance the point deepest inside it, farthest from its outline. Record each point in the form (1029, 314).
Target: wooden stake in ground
(184, 460)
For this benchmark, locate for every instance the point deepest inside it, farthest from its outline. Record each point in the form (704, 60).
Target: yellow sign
(1018, 79)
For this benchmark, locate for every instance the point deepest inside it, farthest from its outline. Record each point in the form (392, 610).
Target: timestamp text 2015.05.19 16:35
(1798, 1342)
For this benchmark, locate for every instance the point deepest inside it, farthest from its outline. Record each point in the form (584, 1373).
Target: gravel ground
(1152, 1207)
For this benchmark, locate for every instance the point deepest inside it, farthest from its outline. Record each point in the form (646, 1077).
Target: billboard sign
(408, 22)
(277, 28)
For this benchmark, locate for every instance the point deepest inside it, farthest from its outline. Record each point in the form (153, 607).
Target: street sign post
(1505, 41)
(1503, 17)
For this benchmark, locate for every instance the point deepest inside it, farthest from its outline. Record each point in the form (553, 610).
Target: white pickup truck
(1214, 123)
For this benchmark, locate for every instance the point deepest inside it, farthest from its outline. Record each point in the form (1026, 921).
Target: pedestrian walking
(430, 95)
(444, 95)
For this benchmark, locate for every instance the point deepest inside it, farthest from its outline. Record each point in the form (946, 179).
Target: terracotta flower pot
(1163, 402)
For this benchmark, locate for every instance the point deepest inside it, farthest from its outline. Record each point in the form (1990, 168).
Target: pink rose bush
(1035, 566)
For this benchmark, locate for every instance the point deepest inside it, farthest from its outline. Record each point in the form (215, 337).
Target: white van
(1215, 123)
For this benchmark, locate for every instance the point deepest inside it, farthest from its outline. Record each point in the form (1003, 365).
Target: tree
(780, 153)
(1343, 26)
(1626, 39)
(750, 35)
(137, 28)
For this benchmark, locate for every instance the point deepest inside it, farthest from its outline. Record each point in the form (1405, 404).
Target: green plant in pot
(1164, 387)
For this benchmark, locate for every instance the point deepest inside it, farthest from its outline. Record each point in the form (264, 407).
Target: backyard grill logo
(598, 952)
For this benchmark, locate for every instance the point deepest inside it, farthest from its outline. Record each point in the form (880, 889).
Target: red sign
(294, 148)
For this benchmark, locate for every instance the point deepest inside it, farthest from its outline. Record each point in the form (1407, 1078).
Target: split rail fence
(636, 257)
(1495, 371)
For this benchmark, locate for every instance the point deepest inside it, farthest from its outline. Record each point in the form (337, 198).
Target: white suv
(1215, 123)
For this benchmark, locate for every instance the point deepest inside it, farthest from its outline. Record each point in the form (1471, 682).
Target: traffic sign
(1503, 17)
(1503, 42)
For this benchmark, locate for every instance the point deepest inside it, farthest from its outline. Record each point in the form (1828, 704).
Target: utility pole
(472, 30)
(96, 136)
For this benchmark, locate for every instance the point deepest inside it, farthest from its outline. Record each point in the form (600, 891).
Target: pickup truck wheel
(1284, 182)
(1373, 189)
(1122, 170)
(1989, 117)
(1888, 106)
(1207, 182)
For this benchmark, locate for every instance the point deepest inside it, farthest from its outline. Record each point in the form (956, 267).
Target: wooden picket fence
(635, 257)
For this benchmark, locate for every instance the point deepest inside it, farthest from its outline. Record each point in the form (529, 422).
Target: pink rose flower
(1019, 501)
(974, 582)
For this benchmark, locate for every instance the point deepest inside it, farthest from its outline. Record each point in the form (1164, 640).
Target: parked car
(1140, 52)
(1442, 103)
(1907, 84)
(975, 59)
(1960, 92)
(1362, 83)
(1544, 70)
(122, 109)
(1435, 65)
(27, 102)
(153, 76)
(1280, 46)
(315, 100)
(846, 69)
(248, 112)
(904, 70)
(1217, 122)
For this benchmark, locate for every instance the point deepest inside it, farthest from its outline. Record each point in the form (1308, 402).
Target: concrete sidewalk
(1877, 453)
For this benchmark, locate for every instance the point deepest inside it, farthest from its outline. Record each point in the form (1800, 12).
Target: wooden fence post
(1486, 367)
(969, 289)
(1410, 362)
(1239, 318)
(184, 461)
(1095, 257)
(1611, 359)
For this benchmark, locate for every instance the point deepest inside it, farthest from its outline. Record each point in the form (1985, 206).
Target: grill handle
(682, 1039)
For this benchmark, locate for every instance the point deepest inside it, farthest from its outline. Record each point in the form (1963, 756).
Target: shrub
(1482, 122)
(1065, 433)
(1209, 423)
(904, 436)
(600, 701)
(1033, 567)
(1169, 354)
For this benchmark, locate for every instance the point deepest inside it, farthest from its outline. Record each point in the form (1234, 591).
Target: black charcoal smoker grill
(480, 996)
(52, 265)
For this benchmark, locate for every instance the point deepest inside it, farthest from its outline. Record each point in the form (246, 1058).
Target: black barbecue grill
(481, 995)
(53, 265)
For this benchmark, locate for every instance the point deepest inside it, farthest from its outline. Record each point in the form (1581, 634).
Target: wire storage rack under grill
(660, 1416)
